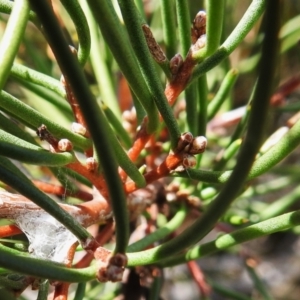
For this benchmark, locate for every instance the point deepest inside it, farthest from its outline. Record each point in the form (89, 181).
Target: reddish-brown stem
(9, 230)
(84, 261)
(76, 111)
(172, 91)
(74, 105)
(71, 254)
(150, 159)
(96, 179)
(199, 278)
(97, 210)
(124, 94)
(62, 191)
(61, 290)
(140, 142)
(45, 135)
(138, 145)
(179, 83)
(102, 237)
(285, 89)
(171, 162)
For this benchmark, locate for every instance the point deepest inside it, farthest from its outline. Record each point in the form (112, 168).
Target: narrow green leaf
(79, 19)
(12, 37)
(222, 93)
(21, 150)
(19, 262)
(34, 119)
(169, 26)
(28, 74)
(184, 25)
(160, 233)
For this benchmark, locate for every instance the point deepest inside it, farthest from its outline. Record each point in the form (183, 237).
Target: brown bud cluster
(189, 146)
(184, 141)
(55, 145)
(199, 44)
(189, 161)
(64, 145)
(199, 26)
(198, 145)
(175, 63)
(110, 267)
(198, 32)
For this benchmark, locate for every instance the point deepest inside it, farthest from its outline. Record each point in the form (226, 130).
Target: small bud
(64, 145)
(200, 43)
(189, 161)
(109, 267)
(200, 21)
(119, 260)
(198, 145)
(78, 128)
(90, 244)
(184, 141)
(199, 26)
(91, 164)
(175, 63)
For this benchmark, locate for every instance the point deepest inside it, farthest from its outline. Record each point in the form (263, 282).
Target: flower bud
(78, 128)
(184, 141)
(64, 145)
(175, 63)
(200, 44)
(198, 145)
(91, 164)
(199, 22)
(189, 161)
(199, 26)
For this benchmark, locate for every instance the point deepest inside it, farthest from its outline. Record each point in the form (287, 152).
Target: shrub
(157, 151)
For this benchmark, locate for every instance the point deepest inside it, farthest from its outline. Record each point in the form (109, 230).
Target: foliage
(117, 152)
